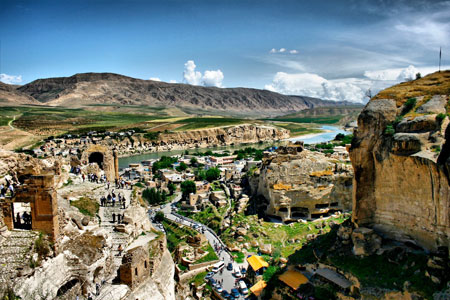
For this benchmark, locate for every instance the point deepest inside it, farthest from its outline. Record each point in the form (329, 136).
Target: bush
(154, 197)
(188, 187)
(152, 135)
(409, 104)
(389, 130)
(440, 117)
(164, 163)
(181, 167)
(212, 174)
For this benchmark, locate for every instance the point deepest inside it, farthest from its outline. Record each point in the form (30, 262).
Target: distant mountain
(108, 88)
(9, 95)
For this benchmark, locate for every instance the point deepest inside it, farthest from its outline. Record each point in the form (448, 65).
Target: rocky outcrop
(401, 162)
(305, 185)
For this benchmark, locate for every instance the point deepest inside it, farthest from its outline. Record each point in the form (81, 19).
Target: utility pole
(440, 56)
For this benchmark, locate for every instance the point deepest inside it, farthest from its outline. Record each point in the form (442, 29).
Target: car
(225, 294)
(219, 288)
(212, 281)
(237, 272)
(244, 271)
(230, 266)
(209, 275)
(235, 293)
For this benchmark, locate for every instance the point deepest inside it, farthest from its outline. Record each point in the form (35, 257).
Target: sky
(326, 48)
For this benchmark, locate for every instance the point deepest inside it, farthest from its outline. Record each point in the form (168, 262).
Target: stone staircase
(15, 252)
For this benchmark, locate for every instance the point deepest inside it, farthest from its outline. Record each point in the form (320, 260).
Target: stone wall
(401, 185)
(109, 159)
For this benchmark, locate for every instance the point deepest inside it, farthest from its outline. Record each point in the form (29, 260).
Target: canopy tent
(257, 262)
(293, 278)
(258, 288)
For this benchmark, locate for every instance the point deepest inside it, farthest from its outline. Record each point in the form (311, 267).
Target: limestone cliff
(304, 185)
(213, 137)
(400, 155)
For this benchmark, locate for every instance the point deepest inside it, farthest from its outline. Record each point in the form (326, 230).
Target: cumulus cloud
(313, 85)
(349, 89)
(209, 78)
(155, 79)
(213, 78)
(282, 50)
(293, 51)
(190, 75)
(10, 79)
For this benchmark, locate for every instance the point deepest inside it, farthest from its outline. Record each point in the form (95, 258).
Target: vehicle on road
(225, 294)
(218, 266)
(237, 272)
(219, 288)
(243, 287)
(235, 293)
(209, 275)
(244, 271)
(230, 266)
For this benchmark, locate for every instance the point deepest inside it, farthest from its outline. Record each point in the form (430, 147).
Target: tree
(200, 174)
(418, 76)
(159, 216)
(193, 161)
(212, 174)
(181, 167)
(188, 187)
(368, 93)
(172, 188)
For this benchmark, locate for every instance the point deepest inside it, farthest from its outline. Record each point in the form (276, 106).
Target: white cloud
(282, 50)
(10, 79)
(273, 50)
(209, 78)
(155, 79)
(313, 85)
(190, 75)
(213, 78)
(293, 51)
(350, 89)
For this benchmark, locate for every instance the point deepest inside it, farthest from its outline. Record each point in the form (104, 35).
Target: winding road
(229, 281)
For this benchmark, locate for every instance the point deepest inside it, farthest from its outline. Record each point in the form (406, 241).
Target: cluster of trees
(211, 174)
(152, 136)
(344, 138)
(163, 163)
(154, 196)
(257, 154)
(187, 187)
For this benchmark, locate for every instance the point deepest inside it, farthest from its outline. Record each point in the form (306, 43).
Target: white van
(243, 287)
(237, 272)
(218, 266)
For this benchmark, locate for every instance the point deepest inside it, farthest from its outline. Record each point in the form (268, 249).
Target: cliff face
(203, 138)
(400, 156)
(306, 185)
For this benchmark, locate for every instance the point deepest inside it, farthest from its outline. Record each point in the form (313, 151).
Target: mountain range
(91, 89)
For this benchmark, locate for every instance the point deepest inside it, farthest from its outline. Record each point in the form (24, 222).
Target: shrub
(188, 187)
(212, 174)
(389, 130)
(440, 117)
(152, 135)
(409, 104)
(154, 197)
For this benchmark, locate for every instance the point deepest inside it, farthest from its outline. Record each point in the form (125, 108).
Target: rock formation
(400, 156)
(304, 185)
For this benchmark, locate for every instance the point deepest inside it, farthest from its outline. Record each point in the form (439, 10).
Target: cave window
(96, 157)
(135, 271)
(283, 209)
(334, 204)
(145, 264)
(323, 205)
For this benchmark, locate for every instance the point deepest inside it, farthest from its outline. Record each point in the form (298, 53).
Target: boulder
(266, 249)
(365, 241)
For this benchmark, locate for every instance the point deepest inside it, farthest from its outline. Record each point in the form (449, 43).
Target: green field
(317, 120)
(297, 128)
(207, 122)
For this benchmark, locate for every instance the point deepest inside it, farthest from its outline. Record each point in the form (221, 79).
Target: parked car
(219, 288)
(230, 266)
(212, 281)
(209, 275)
(226, 295)
(237, 272)
(244, 271)
(235, 293)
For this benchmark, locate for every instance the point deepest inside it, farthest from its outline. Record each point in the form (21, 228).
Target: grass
(434, 84)
(238, 257)
(298, 129)
(86, 206)
(211, 256)
(175, 235)
(198, 279)
(207, 122)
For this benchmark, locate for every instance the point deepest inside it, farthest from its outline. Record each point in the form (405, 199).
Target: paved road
(226, 276)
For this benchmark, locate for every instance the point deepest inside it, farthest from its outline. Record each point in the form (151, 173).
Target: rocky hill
(108, 88)
(400, 154)
(9, 95)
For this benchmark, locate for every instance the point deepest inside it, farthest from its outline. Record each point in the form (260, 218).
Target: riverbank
(328, 134)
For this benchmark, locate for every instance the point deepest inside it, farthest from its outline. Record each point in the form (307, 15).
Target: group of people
(94, 178)
(122, 184)
(5, 188)
(111, 198)
(23, 220)
(119, 218)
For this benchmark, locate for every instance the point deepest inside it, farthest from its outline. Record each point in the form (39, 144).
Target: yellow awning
(257, 262)
(258, 287)
(293, 278)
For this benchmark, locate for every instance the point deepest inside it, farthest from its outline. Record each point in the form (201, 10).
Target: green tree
(193, 161)
(163, 163)
(172, 188)
(188, 187)
(200, 174)
(212, 174)
(181, 167)
(159, 216)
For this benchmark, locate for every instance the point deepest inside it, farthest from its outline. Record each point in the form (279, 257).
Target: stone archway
(96, 157)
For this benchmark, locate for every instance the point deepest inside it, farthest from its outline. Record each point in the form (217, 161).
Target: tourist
(11, 189)
(120, 249)
(114, 218)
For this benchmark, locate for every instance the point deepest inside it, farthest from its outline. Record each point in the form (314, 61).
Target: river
(328, 135)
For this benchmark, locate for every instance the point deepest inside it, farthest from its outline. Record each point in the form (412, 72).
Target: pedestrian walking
(114, 217)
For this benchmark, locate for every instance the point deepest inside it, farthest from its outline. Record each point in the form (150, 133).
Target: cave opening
(96, 157)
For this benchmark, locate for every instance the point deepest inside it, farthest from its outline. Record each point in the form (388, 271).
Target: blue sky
(329, 49)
